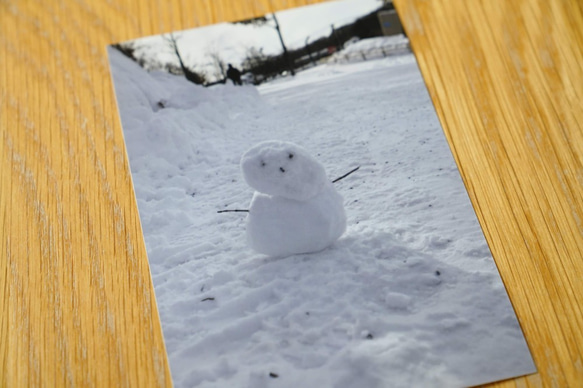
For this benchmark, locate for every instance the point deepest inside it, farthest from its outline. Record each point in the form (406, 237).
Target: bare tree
(129, 49)
(254, 58)
(126, 48)
(258, 21)
(190, 75)
(220, 69)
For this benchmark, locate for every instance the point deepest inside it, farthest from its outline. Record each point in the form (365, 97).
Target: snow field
(408, 296)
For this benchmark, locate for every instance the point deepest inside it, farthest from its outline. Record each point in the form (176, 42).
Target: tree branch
(345, 175)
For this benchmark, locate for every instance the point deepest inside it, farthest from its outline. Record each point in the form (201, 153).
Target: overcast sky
(232, 41)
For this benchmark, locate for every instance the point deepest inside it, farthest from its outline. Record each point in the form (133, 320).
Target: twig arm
(247, 211)
(345, 175)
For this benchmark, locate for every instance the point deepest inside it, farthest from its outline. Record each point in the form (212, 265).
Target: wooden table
(76, 300)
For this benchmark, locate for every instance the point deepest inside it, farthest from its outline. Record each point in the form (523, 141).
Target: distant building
(390, 22)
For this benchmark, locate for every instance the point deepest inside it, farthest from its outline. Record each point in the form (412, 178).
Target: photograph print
(305, 221)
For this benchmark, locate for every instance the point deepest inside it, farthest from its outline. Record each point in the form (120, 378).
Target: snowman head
(283, 169)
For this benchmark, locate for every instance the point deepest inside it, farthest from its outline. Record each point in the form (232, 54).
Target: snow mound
(279, 226)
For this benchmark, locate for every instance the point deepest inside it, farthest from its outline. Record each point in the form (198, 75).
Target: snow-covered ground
(409, 296)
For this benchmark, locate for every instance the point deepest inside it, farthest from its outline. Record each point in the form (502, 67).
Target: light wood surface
(77, 307)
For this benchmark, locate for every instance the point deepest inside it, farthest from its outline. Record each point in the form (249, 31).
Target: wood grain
(77, 307)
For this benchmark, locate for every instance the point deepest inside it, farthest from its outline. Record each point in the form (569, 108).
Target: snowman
(295, 208)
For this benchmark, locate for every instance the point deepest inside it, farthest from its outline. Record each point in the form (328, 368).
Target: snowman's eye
(262, 163)
(291, 156)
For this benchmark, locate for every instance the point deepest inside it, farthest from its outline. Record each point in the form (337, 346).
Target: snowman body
(295, 208)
